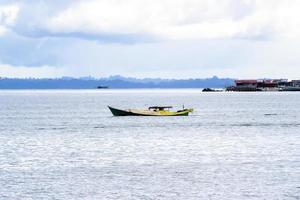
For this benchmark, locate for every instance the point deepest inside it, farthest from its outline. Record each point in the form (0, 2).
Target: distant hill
(112, 82)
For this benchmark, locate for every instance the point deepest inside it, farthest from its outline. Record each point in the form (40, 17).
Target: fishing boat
(151, 111)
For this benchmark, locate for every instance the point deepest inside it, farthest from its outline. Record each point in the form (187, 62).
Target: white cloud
(181, 19)
(8, 16)
(2, 30)
(34, 72)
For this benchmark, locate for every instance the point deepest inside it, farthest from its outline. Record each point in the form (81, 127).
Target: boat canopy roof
(160, 107)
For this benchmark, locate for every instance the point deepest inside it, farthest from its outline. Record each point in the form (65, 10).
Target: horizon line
(119, 77)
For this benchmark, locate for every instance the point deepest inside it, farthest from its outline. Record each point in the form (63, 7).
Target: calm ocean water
(65, 144)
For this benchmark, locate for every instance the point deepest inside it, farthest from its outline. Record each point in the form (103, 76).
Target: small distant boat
(102, 87)
(151, 111)
(211, 90)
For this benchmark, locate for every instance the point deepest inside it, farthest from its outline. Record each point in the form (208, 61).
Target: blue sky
(150, 38)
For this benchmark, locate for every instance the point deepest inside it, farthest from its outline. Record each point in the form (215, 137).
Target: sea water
(65, 144)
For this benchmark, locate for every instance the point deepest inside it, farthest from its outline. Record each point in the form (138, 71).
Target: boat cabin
(159, 108)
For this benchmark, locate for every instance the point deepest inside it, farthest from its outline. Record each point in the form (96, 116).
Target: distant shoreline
(213, 84)
(118, 82)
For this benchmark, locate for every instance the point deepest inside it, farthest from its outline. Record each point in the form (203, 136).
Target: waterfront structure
(265, 85)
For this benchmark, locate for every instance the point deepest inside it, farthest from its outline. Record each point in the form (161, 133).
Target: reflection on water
(65, 144)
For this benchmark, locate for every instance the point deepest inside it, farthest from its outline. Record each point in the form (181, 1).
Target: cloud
(2, 30)
(129, 21)
(180, 19)
(8, 16)
(33, 72)
(171, 59)
(169, 19)
(168, 38)
(17, 50)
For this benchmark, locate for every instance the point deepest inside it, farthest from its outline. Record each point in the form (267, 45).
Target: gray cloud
(17, 50)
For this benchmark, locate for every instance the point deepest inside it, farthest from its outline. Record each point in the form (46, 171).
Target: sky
(150, 38)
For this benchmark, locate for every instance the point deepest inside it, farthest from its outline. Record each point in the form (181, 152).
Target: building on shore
(265, 85)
